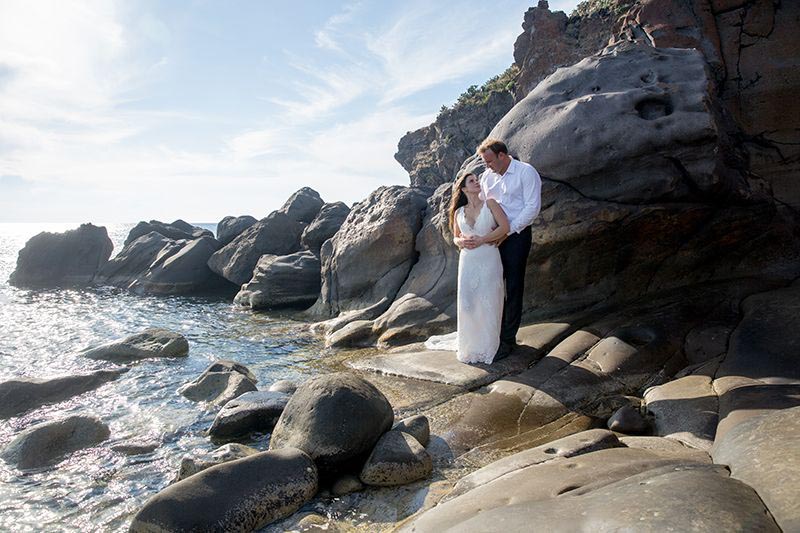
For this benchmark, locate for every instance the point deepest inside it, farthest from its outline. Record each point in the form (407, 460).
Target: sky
(119, 111)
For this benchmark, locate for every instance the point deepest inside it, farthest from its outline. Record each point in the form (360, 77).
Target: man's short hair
(496, 146)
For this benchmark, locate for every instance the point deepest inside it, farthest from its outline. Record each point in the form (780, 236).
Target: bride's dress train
(480, 297)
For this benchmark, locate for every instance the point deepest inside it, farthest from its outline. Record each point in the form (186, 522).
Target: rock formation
(230, 227)
(289, 281)
(178, 230)
(327, 222)
(152, 342)
(64, 259)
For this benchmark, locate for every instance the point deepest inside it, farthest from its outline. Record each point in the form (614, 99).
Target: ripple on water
(41, 333)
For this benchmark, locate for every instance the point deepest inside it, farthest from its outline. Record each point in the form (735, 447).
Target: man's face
(493, 161)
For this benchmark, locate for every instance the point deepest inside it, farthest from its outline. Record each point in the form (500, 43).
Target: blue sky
(115, 111)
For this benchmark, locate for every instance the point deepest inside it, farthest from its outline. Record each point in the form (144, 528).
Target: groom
(517, 187)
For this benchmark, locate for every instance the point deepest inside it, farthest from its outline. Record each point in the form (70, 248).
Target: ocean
(41, 332)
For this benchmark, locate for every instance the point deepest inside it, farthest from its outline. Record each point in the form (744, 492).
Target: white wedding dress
(480, 293)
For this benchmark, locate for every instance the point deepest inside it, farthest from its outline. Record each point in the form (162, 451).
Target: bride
(476, 226)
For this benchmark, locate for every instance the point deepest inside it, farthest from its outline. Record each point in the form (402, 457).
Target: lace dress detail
(480, 293)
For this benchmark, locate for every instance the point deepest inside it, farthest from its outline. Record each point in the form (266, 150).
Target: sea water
(41, 332)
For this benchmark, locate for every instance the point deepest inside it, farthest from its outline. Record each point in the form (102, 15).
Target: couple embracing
(491, 220)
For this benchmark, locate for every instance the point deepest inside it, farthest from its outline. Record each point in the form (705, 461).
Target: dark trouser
(514, 255)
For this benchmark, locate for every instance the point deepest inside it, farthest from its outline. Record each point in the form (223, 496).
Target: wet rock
(226, 365)
(628, 419)
(762, 451)
(613, 489)
(397, 459)
(685, 409)
(175, 231)
(277, 234)
(369, 258)
(417, 426)
(283, 385)
(136, 447)
(152, 342)
(242, 495)
(256, 411)
(324, 226)
(336, 419)
(47, 443)
(347, 484)
(20, 395)
(289, 281)
(303, 206)
(230, 227)
(64, 259)
(218, 388)
(193, 464)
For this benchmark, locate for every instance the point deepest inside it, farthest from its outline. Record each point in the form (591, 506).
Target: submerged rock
(64, 259)
(20, 395)
(241, 495)
(346, 484)
(193, 464)
(47, 443)
(153, 342)
(336, 419)
(397, 459)
(256, 411)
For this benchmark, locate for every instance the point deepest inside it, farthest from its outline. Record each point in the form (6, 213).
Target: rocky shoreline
(656, 384)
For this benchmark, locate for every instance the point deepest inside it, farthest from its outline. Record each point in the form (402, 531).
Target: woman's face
(471, 184)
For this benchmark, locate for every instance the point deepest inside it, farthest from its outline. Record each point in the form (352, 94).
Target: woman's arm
(500, 232)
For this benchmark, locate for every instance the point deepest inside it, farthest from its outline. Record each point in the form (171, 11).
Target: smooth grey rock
(685, 409)
(370, 256)
(193, 464)
(627, 419)
(256, 411)
(666, 448)
(289, 281)
(763, 452)
(277, 234)
(335, 418)
(66, 259)
(242, 495)
(47, 443)
(175, 231)
(230, 227)
(23, 394)
(324, 226)
(152, 342)
(135, 259)
(226, 365)
(217, 388)
(397, 459)
(614, 489)
(303, 206)
(283, 385)
(571, 446)
(136, 447)
(417, 426)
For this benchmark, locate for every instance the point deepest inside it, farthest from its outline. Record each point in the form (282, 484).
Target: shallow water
(41, 331)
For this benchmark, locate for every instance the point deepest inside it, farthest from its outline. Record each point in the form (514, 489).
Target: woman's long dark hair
(458, 197)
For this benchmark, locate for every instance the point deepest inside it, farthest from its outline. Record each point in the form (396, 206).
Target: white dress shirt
(518, 191)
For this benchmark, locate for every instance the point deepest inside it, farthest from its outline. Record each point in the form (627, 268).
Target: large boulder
(277, 234)
(230, 227)
(256, 411)
(242, 495)
(177, 230)
(152, 342)
(291, 281)
(369, 258)
(303, 205)
(64, 259)
(154, 264)
(324, 226)
(47, 443)
(20, 395)
(336, 419)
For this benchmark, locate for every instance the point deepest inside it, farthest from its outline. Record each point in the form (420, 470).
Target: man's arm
(531, 197)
